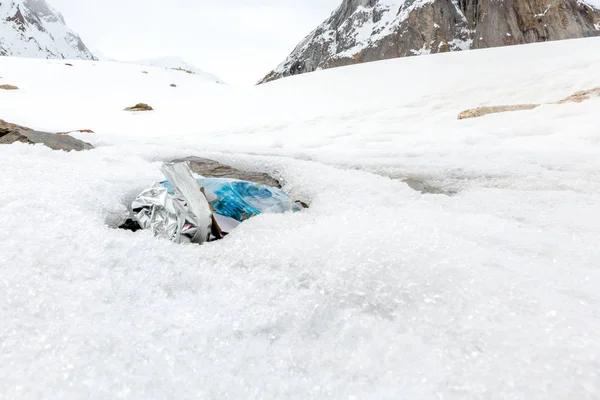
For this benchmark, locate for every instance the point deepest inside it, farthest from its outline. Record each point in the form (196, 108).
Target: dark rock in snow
(7, 127)
(140, 107)
(11, 133)
(214, 169)
(8, 87)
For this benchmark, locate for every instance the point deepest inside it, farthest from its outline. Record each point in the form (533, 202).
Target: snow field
(376, 291)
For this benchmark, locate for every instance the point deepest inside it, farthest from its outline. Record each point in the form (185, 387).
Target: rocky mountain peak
(32, 28)
(369, 30)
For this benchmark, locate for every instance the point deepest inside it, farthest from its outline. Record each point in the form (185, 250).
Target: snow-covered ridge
(31, 28)
(177, 63)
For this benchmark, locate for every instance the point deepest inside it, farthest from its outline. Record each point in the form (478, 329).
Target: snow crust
(487, 289)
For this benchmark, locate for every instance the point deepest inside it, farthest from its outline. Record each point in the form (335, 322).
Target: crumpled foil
(183, 217)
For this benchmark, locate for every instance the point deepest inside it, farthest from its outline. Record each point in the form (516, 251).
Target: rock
(214, 169)
(11, 133)
(145, 72)
(481, 111)
(581, 96)
(173, 85)
(68, 64)
(140, 107)
(187, 71)
(577, 97)
(8, 87)
(76, 131)
(415, 27)
(7, 127)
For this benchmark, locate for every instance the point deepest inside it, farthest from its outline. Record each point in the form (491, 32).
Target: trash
(187, 210)
(241, 200)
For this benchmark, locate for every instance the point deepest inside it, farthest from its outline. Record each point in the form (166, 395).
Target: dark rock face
(214, 169)
(370, 30)
(11, 133)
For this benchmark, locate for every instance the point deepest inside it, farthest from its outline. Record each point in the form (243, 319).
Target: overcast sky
(238, 40)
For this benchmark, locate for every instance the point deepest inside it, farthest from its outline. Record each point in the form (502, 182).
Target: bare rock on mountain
(31, 28)
(370, 30)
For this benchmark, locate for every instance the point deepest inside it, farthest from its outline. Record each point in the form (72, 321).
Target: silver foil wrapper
(185, 217)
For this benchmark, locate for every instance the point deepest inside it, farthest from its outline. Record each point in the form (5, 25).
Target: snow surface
(175, 62)
(595, 3)
(488, 289)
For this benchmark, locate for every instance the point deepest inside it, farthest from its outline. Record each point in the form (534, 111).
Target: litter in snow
(185, 209)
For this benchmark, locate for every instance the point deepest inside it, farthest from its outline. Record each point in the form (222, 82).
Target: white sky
(238, 40)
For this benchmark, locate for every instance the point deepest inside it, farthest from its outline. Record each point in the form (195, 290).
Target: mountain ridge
(32, 28)
(370, 30)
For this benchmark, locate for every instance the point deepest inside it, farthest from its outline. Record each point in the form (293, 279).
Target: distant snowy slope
(177, 63)
(31, 28)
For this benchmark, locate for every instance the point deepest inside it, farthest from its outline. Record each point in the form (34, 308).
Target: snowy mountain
(179, 64)
(31, 28)
(369, 30)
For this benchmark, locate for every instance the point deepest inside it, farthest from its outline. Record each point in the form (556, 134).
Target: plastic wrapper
(241, 200)
(181, 208)
(181, 215)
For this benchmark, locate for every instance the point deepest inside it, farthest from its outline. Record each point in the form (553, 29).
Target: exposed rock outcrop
(31, 28)
(577, 97)
(370, 30)
(11, 133)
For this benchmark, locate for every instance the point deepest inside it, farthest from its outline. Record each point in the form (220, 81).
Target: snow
(594, 3)
(488, 289)
(175, 62)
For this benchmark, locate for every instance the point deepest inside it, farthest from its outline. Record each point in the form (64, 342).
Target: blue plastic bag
(241, 200)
